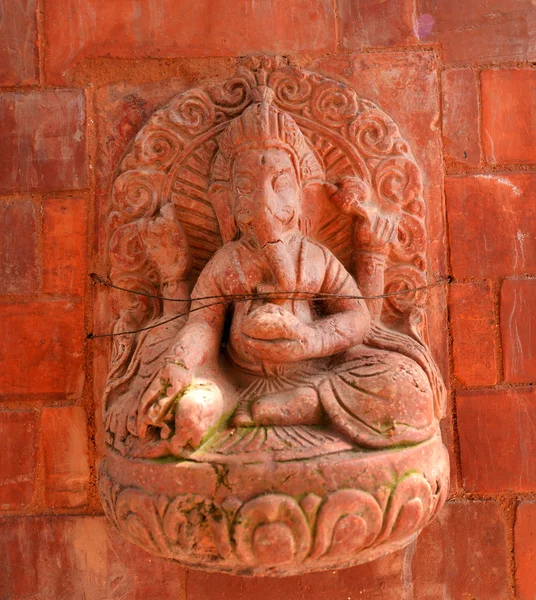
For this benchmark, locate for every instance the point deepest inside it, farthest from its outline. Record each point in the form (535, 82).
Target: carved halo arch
(171, 157)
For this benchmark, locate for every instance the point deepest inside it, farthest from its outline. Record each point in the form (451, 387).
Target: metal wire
(225, 298)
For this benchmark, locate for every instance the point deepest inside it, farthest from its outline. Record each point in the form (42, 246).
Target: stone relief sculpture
(265, 418)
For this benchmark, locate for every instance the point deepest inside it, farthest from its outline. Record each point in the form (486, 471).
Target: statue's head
(260, 170)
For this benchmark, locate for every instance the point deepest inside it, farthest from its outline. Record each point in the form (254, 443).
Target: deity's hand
(166, 243)
(375, 231)
(157, 402)
(274, 334)
(183, 410)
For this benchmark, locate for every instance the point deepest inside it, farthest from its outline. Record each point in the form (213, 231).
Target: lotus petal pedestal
(276, 500)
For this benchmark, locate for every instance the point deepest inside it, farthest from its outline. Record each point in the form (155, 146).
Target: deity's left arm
(347, 320)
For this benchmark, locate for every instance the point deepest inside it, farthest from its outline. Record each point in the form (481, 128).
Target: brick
(525, 550)
(18, 43)
(492, 222)
(18, 449)
(460, 116)
(41, 348)
(382, 579)
(509, 115)
(518, 330)
(473, 326)
(64, 435)
(18, 248)
(369, 23)
(497, 439)
(91, 28)
(462, 555)
(79, 558)
(491, 31)
(64, 247)
(42, 136)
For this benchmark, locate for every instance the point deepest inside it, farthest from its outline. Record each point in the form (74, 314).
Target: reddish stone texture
(369, 23)
(92, 28)
(461, 555)
(64, 435)
(509, 115)
(460, 116)
(473, 326)
(41, 348)
(18, 449)
(64, 247)
(492, 222)
(18, 43)
(42, 136)
(497, 439)
(18, 248)
(75, 558)
(518, 330)
(496, 30)
(525, 550)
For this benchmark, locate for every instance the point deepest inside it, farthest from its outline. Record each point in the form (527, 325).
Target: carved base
(246, 509)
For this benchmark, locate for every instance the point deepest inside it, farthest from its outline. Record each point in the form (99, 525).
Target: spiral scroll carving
(137, 193)
(375, 134)
(334, 104)
(193, 111)
(293, 88)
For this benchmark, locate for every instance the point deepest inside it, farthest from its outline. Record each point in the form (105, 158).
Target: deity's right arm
(200, 339)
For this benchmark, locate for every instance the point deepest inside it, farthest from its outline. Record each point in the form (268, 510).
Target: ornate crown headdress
(264, 125)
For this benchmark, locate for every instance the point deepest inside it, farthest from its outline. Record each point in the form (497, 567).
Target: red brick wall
(60, 65)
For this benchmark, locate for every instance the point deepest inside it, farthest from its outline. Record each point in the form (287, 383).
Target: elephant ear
(219, 195)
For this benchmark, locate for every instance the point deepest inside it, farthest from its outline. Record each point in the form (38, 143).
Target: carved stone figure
(298, 420)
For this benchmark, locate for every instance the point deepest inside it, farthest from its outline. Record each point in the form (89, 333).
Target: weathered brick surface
(64, 437)
(497, 439)
(41, 348)
(42, 136)
(92, 28)
(525, 550)
(518, 330)
(492, 31)
(460, 116)
(64, 247)
(79, 558)
(492, 223)
(18, 247)
(461, 555)
(509, 115)
(18, 42)
(473, 326)
(369, 23)
(18, 462)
